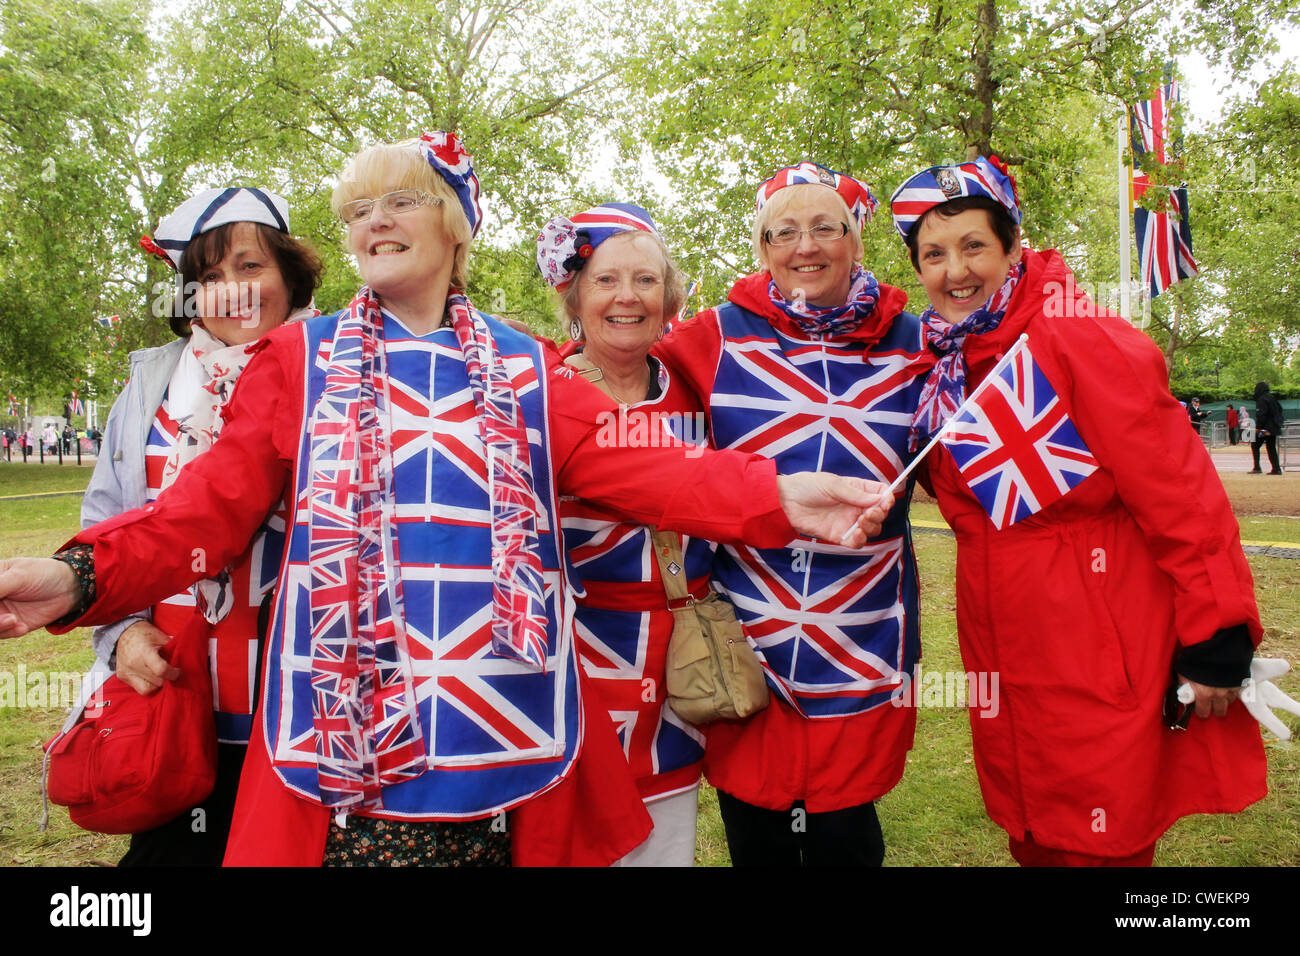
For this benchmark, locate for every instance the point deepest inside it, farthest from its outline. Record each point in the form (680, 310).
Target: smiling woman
(414, 240)
(813, 362)
(242, 274)
(803, 237)
(620, 287)
(1097, 572)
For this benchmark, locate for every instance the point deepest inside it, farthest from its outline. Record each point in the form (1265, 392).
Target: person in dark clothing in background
(1268, 425)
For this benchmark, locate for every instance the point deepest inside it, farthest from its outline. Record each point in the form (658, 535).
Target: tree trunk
(979, 126)
(1172, 345)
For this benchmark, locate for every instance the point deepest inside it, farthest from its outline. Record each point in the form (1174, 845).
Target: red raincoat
(1080, 608)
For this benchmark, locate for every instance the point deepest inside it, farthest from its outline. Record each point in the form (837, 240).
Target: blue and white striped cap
(210, 209)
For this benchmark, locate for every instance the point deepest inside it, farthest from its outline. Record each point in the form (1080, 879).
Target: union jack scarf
(945, 387)
(518, 604)
(363, 688)
(864, 292)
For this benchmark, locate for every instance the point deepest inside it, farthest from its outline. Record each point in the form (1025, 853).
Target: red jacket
(593, 816)
(1080, 608)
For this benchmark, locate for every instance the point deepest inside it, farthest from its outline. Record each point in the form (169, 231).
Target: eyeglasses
(822, 232)
(395, 203)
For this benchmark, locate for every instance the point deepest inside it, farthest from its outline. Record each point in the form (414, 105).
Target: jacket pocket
(1091, 561)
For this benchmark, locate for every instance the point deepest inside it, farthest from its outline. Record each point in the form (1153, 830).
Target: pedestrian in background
(1268, 425)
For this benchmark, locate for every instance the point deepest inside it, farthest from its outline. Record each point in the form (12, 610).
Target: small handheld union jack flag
(1013, 442)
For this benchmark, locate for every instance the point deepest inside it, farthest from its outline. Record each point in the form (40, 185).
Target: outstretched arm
(203, 521)
(34, 592)
(725, 496)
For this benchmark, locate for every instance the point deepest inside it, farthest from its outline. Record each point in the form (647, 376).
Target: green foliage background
(114, 111)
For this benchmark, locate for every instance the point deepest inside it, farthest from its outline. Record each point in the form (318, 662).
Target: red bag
(130, 762)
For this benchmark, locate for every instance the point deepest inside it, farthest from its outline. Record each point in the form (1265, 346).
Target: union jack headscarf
(564, 245)
(945, 387)
(447, 156)
(363, 683)
(939, 184)
(855, 193)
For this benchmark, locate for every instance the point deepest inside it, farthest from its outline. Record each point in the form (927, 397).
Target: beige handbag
(713, 673)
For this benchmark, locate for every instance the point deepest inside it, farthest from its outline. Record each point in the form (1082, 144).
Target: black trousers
(1270, 443)
(193, 838)
(794, 837)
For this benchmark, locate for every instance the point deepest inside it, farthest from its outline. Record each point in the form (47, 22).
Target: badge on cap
(946, 180)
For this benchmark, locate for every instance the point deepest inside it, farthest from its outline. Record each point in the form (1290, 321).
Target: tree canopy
(114, 111)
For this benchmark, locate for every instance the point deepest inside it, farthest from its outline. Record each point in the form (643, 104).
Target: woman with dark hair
(1268, 425)
(1099, 565)
(240, 274)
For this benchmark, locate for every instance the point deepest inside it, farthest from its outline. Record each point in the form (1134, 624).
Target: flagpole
(1125, 267)
(1002, 363)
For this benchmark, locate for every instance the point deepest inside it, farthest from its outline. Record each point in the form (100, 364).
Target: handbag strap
(668, 553)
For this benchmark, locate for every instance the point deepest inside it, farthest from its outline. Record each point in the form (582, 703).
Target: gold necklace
(601, 382)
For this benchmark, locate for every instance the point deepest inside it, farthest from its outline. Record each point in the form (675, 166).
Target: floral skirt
(371, 841)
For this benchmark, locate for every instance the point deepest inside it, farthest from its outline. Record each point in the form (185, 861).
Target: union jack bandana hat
(565, 245)
(939, 184)
(210, 209)
(855, 193)
(450, 161)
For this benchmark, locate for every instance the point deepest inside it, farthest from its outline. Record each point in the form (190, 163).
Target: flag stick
(1002, 363)
(1125, 210)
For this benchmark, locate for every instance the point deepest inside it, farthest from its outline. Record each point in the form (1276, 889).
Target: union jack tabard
(834, 631)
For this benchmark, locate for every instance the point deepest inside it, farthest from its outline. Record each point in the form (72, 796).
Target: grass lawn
(935, 817)
(30, 479)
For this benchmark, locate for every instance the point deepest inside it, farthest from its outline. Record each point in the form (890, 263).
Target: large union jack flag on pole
(1164, 237)
(1013, 442)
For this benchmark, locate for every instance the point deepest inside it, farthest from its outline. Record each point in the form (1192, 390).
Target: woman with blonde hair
(619, 289)
(420, 677)
(813, 362)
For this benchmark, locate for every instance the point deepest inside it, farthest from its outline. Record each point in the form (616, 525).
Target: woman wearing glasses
(420, 673)
(813, 362)
(619, 287)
